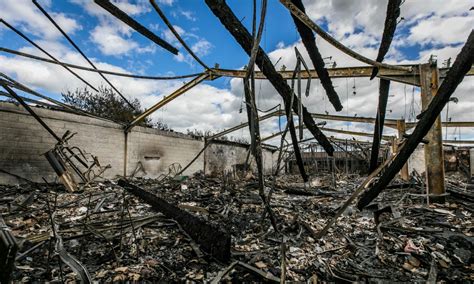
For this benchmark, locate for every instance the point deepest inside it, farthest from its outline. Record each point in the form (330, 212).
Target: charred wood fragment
(454, 77)
(8, 250)
(309, 42)
(222, 11)
(294, 140)
(212, 239)
(393, 12)
(119, 14)
(379, 123)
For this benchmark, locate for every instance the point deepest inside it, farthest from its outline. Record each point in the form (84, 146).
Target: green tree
(105, 104)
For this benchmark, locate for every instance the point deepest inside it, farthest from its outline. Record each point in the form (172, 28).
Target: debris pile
(104, 233)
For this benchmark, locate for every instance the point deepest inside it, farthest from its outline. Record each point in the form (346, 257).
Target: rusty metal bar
(355, 133)
(392, 123)
(339, 72)
(168, 99)
(119, 14)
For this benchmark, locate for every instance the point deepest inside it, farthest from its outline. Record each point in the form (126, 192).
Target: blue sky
(429, 27)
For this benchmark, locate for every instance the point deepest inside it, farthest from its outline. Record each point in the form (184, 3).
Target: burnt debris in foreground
(92, 199)
(117, 236)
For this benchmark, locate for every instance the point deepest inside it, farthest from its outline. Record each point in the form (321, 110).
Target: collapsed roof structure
(193, 209)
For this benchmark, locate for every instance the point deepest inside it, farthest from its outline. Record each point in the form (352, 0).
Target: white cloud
(188, 15)
(201, 47)
(166, 2)
(24, 15)
(442, 30)
(110, 41)
(169, 36)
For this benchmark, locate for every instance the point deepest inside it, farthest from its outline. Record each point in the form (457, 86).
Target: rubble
(247, 221)
(119, 237)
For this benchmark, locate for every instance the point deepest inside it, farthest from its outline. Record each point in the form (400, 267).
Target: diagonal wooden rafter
(309, 41)
(379, 123)
(393, 12)
(119, 14)
(461, 66)
(222, 11)
(308, 22)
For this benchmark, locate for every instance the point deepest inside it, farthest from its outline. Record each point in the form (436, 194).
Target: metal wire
(80, 51)
(45, 52)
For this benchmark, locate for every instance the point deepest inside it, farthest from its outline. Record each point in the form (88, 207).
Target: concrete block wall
(222, 156)
(23, 141)
(157, 151)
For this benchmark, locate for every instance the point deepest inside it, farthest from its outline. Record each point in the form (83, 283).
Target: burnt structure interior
(92, 200)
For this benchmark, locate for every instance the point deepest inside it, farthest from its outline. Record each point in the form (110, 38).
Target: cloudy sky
(429, 27)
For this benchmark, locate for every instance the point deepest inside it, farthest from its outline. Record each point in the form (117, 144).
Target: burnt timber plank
(379, 123)
(309, 42)
(211, 239)
(222, 11)
(119, 14)
(393, 12)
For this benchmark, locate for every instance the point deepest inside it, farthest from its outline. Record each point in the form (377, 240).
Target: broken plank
(211, 239)
(379, 123)
(393, 12)
(119, 14)
(309, 42)
(222, 11)
(456, 74)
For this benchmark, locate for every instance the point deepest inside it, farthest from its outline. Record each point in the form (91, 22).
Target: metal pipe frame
(186, 87)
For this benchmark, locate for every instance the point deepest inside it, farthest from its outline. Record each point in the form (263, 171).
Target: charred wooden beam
(322, 33)
(393, 12)
(211, 238)
(379, 123)
(309, 42)
(454, 77)
(8, 250)
(222, 11)
(296, 147)
(119, 14)
(176, 34)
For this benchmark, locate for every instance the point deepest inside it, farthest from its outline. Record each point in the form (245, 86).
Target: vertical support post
(429, 78)
(125, 155)
(401, 127)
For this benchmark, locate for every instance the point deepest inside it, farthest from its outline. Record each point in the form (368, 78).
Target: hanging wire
(80, 51)
(25, 37)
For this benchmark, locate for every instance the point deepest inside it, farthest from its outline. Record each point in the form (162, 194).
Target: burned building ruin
(86, 198)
